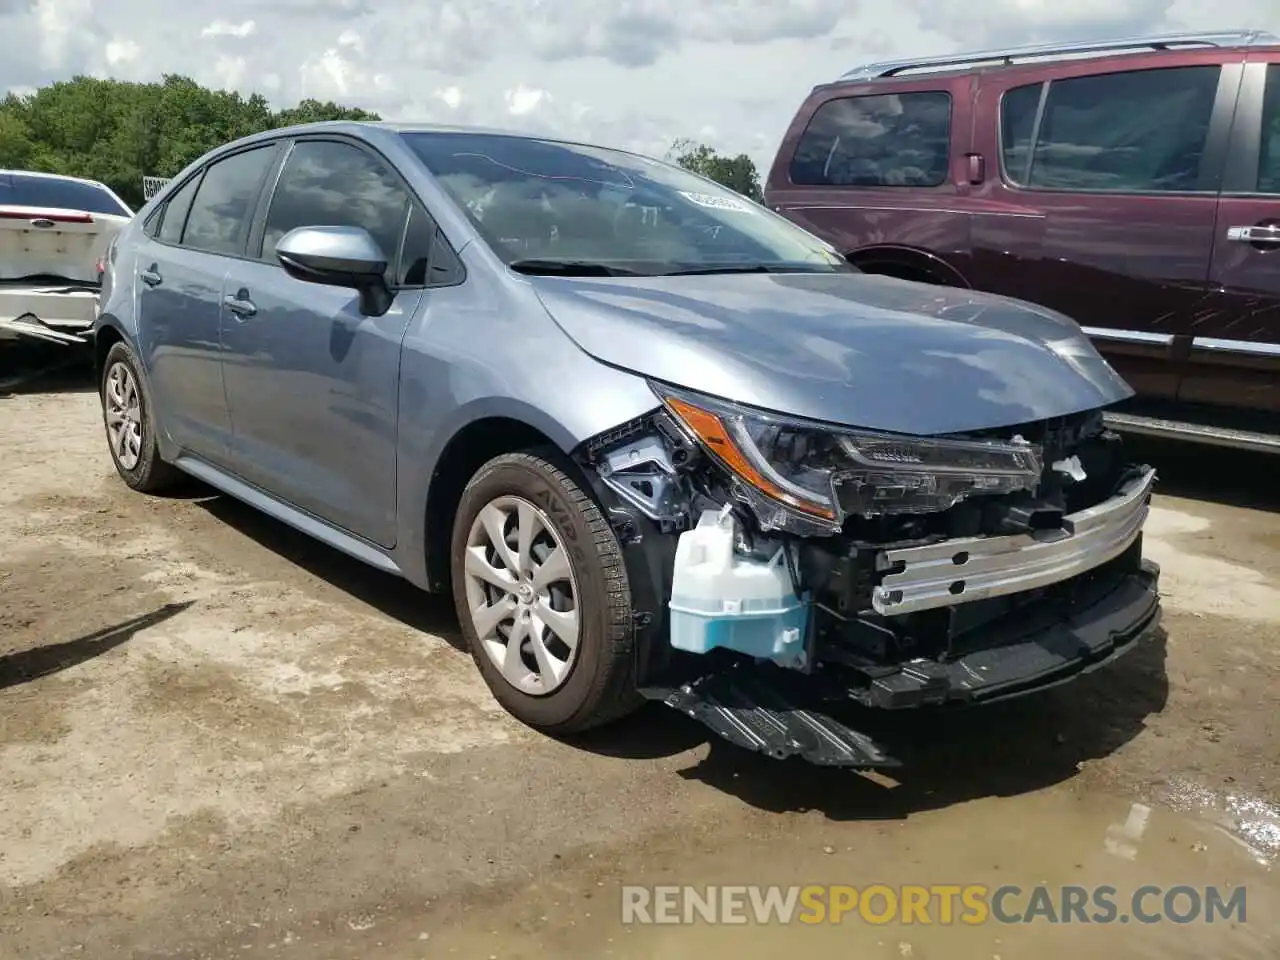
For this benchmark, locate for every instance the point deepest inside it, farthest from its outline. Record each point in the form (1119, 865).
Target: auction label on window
(714, 202)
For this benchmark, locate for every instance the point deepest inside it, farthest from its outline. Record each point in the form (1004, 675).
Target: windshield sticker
(716, 203)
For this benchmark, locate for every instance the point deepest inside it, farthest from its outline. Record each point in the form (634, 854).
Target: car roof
(362, 129)
(1032, 56)
(52, 176)
(358, 127)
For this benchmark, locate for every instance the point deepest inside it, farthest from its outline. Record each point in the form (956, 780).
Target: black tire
(150, 474)
(600, 684)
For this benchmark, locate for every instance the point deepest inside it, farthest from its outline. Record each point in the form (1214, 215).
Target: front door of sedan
(1235, 353)
(180, 271)
(312, 382)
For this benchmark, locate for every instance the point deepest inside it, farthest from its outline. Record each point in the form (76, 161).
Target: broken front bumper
(783, 713)
(977, 568)
(1070, 630)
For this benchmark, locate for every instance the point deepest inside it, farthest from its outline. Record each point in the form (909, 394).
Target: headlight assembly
(798, 470)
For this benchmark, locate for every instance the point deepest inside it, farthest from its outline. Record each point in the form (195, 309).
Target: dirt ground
(219, 739)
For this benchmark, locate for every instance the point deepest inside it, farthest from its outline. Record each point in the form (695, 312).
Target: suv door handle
(151, 276)
(240, 304)
(1255, 234)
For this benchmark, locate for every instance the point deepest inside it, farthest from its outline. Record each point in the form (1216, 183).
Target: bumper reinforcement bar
(976, 568)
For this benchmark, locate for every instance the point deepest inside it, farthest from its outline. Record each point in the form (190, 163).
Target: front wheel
(542, 595)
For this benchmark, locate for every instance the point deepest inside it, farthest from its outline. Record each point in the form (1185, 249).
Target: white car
(54, 236)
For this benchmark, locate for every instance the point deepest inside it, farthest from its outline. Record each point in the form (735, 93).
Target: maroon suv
(1133, 185)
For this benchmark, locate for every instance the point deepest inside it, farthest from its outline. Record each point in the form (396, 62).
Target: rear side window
(175, 211)
(889, 140)
(23, 190)
(331, 184)
(1017, 127)
(225, 200)
(1141, 131)
(1269, 154)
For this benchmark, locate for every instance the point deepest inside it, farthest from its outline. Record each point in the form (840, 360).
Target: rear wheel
(130, 424)
(542, 595)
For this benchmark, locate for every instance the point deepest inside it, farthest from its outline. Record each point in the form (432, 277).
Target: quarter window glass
(1017, 125)
(427, 259)
(1138, 131)
(893, 140)
(1269, 157)
(175, 211)
(330, 184)
(225, 200)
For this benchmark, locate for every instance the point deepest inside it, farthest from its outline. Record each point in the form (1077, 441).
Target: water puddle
(1253, 822)
(1060, 872)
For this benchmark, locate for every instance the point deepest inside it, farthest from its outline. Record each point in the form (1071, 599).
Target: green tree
(737, 173)
(310, 111)
(119, 132)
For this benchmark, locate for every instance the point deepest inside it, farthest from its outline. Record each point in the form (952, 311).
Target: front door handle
(240, 304)
(1268, 234)
(151, 276)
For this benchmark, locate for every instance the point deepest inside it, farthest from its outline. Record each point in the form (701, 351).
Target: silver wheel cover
(122, 407)
(522, 595)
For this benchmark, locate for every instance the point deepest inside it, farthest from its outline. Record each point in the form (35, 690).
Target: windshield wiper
(710, 268)
(570, 268)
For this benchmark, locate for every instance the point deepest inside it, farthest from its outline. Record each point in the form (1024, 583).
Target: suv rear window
(887, 140)
(1140, 131)
(24, 190)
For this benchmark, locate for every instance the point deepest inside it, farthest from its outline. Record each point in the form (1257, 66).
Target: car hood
(852, 349)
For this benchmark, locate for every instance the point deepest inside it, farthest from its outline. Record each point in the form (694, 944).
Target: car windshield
(551, 207)
(25, 190)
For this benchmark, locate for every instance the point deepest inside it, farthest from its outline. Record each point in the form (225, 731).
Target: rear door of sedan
(181, 266)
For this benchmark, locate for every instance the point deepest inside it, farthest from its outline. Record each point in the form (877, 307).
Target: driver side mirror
(338, 257)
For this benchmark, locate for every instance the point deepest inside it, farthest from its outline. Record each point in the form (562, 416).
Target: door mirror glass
(338, 257)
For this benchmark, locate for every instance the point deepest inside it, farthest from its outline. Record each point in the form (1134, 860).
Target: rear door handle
(151, 276)
(1255, 234)
(240, 304)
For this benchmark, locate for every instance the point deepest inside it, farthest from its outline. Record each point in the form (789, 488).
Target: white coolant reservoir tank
(722, 599)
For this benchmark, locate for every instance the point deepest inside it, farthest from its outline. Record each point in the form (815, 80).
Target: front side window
(325, 183)
(532, 199)
(29, 190)
(1141, 131)
(1269, 153)
(889, 140)
(225, 201)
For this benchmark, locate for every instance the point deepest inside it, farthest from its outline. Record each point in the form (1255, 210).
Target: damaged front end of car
(782, 568)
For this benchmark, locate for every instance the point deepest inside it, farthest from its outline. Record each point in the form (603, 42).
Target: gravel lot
(220, 739)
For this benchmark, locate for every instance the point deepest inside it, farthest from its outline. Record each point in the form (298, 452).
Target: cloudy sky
(633, 73)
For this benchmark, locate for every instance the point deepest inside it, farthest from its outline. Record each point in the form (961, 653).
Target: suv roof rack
(1007, 55)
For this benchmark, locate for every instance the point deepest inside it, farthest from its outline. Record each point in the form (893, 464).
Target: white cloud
(122, 50)
(230, 72)
(221, 28)
(633, 73)
(451, 97)
(523, 100)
